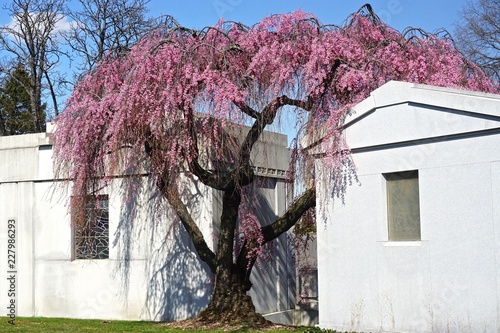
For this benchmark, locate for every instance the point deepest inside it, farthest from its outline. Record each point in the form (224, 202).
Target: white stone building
(415, 247)
(141, 270)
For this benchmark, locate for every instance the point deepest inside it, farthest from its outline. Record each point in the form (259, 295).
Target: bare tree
(30, 40)
(101, 26)
(478, 34)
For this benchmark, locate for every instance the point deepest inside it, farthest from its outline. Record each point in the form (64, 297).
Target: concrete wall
(447, 281)
(153, 271)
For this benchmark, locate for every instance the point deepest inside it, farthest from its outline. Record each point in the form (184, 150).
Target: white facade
(153, 271)
(448, 280)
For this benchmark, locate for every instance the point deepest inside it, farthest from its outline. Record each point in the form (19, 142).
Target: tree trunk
(229, 302)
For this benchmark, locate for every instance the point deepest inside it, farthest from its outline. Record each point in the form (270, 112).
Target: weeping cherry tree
(174, 99)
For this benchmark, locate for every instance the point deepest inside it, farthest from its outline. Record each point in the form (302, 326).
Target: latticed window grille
(91, 231)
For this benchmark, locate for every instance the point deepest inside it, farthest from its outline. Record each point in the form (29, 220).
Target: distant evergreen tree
(16, 115)
(32, 41)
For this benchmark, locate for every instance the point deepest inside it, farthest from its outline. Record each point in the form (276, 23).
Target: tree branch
(205, 176)
(262, 119)
(272, 231)
(305, 105)
(291, 216)
(246, 109)
(207, 255)
(171, 194)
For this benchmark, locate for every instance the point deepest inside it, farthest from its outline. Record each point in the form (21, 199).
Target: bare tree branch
(477, 34)
(102, 26)
(31, 40)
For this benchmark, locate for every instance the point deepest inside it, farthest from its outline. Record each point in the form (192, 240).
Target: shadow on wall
(178, 284)
(273, 277)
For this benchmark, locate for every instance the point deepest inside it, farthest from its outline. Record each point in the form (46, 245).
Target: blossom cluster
(177, 90)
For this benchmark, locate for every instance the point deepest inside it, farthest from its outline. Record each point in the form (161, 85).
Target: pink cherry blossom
(171, 105)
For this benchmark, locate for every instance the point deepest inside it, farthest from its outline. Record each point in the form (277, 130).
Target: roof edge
(398, 92)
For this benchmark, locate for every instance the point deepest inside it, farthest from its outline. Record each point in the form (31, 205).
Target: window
(91, 229)
(308, 283)
(403, 209)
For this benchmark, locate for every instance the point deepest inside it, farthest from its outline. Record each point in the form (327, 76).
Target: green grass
(50, 325)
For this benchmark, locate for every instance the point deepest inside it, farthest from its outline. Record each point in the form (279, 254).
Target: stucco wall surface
(153, 271)
(448, 280)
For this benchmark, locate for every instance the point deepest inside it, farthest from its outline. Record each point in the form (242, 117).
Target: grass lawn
(49, 325)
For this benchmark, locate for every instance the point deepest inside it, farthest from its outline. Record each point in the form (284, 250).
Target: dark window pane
(403, 209)
(92, 236)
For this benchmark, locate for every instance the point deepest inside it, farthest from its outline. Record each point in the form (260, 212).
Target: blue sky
(429, 15)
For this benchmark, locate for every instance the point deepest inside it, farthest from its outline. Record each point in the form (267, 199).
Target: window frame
(413, 228)
(98, 239)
